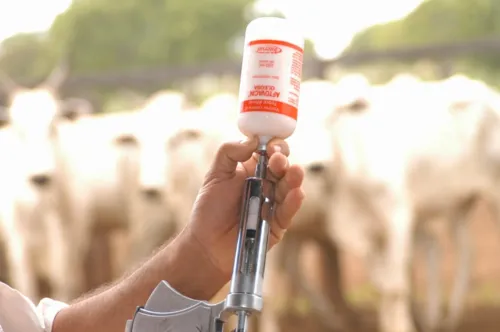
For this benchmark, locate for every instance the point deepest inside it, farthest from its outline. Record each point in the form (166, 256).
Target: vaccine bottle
(270, 79)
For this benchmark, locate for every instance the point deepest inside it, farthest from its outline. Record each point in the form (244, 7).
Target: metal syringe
(245, 295)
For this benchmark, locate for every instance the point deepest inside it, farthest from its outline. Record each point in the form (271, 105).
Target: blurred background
(121, 52)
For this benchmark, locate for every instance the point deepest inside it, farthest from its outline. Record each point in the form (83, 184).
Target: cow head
(149, 138)
(167, 151)
(357, 105)
(34, 115)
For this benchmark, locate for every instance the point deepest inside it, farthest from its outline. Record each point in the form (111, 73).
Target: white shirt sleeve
(48, 309)
(19, 314)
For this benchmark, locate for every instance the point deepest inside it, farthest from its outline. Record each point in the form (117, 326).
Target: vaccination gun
(269, 90)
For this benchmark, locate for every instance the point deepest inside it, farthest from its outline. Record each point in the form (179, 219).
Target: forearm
(182, 264)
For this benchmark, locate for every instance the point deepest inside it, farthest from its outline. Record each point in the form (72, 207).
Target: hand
(215, 217)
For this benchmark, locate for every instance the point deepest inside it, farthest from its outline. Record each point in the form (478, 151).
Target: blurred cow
(361, 217)
(309, 147)
(396, 170)
(173, 148)
(95, 192)
(35, 233)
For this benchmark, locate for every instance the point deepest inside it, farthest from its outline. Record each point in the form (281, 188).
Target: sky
(13, 17)
(330, 24)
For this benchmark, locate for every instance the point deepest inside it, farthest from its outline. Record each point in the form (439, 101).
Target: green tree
(108, 34)
(27, 55)
(441, 21)
(434, 21)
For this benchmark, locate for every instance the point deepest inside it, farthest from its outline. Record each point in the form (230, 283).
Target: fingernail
(279, 147)
(302, 194)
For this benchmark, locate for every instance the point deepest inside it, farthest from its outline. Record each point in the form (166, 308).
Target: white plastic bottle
(270, 79)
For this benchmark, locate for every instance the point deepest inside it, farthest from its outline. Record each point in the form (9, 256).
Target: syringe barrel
(248, 270)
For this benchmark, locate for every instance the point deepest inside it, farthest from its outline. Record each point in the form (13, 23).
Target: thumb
(230, 153)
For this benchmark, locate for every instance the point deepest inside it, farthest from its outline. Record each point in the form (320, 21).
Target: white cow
(471, 101)
(401, 89)
(224, 106)
(458, 91)
(221, 113)
(174, 148)
(398, 169)
(35, 234)
(309, 147)
(351, 234)
(145, 177)
(96, 183)
(319, 97)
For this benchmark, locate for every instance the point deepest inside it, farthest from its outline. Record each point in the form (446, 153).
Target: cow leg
(268, 320)
(328, 305)
(22, 274)
(98, 259)
(394, 313)
(434, 295)
(462, 277)
(332, 283)
(60, 264)
(150, 228)
(80, 235)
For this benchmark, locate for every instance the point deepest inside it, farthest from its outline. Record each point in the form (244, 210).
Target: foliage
(436, 22)
(27, 55)
(104, 35)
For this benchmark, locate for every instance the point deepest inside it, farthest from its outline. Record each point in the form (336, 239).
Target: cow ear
(356, 106)
(74, 108)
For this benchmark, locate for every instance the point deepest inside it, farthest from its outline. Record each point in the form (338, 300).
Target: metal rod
(261, 169)
(242, 322)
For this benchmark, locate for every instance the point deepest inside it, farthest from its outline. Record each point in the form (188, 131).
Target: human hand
(215, 218)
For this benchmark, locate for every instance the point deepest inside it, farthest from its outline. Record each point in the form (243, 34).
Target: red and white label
(274, 72)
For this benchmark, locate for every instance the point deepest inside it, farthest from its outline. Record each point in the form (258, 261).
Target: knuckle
(226, 146)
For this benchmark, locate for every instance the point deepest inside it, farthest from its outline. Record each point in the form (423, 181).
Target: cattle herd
(384, 164)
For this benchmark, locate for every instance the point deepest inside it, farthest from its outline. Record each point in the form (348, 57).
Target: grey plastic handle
(169, 311)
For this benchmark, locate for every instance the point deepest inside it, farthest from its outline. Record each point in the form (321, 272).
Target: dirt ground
(483, 302)
(486, 319)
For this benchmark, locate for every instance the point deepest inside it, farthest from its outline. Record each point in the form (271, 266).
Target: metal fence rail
(312, 67)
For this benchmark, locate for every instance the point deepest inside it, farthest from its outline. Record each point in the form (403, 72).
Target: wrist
(189, 269)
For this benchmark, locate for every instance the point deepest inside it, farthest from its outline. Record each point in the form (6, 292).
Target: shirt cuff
(17, 312)
(47, 309)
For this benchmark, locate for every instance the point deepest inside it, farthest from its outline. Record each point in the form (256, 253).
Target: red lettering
(295, 83)
(269, 49)
(264, 87)
(266, 93)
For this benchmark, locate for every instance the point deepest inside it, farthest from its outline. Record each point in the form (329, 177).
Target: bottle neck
(263, 140)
